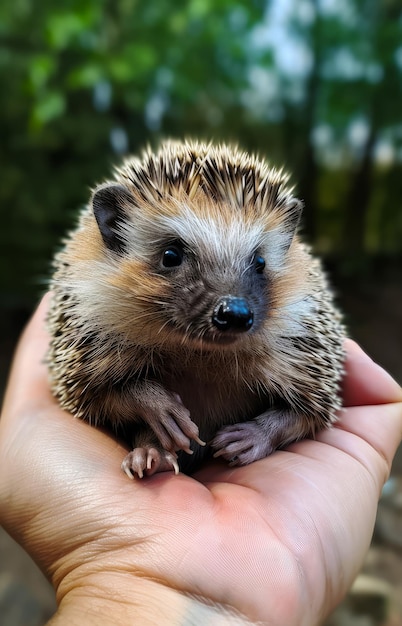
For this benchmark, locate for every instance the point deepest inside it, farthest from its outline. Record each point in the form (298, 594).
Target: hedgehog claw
(170, 421)
(149, 460)
(241, 444)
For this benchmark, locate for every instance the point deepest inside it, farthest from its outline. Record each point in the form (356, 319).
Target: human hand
(278, 541)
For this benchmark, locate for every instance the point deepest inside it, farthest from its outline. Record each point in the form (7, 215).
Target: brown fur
(133, 345)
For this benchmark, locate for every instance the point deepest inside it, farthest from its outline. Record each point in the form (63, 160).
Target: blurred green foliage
(315, 85)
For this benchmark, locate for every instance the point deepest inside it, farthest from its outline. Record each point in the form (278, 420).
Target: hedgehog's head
(198, 236)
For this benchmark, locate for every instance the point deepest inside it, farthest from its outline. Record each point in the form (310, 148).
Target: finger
(380, 426)
(366, 382)
(28, 376)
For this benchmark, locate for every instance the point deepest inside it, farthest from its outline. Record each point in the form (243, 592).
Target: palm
(234, 533)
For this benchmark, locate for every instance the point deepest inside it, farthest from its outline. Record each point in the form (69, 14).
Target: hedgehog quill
(186, 309)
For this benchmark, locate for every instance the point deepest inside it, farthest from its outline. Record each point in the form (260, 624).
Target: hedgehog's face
(207, 269)
(208, 299)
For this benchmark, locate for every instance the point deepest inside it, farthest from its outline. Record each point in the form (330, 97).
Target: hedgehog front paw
(149, 460)
(170, 420)
(241, 444)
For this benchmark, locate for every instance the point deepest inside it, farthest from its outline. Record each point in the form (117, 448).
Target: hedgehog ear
(108, 202)
(280, 237)
(292, 211)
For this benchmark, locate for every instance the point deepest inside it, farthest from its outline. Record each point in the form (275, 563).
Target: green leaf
(86, 76)
(63, 28)
(50, 106)
(41, 68)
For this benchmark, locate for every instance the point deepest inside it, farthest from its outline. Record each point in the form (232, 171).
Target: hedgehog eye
(172, 256)
(259, 263)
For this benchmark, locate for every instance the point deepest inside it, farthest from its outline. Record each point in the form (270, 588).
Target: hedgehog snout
(232, 314)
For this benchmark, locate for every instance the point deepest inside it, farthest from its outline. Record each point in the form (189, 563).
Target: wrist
(120, 599)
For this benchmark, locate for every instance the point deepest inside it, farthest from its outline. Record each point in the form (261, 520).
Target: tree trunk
(308, 175)
(358, 201)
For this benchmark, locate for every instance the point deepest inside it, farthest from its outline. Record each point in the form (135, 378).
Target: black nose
(233, 314)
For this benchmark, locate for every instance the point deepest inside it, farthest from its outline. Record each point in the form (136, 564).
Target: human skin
(277, 542)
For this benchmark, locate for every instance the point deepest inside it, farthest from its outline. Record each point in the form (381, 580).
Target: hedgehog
(189, 317)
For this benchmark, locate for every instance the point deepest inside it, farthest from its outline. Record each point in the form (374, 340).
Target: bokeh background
(314, 85)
